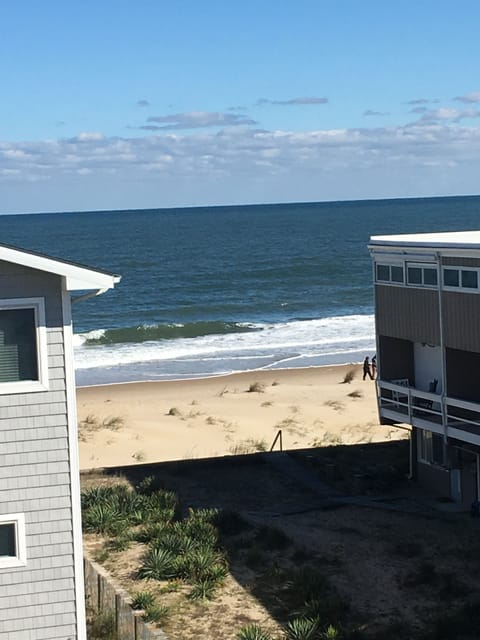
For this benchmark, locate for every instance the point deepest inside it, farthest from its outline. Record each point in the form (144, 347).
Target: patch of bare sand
(218, 416)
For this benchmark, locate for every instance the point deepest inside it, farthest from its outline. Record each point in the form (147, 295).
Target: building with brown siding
(427, 313)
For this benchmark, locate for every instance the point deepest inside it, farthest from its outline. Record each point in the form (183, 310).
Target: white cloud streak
(195, 120)
(293, 101)
(241, 151)
(469, 98)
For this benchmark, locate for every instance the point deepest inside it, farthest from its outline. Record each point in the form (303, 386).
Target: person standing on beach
(366, 369)
(374, 367)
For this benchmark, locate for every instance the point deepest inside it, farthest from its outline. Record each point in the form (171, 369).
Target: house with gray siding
(41, 574)
(427, 314)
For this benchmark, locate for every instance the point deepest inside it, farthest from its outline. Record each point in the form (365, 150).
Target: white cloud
(468, 98)
(89, 135)
(196, 120)
(446, 114)
(239, 164)
(300, 101)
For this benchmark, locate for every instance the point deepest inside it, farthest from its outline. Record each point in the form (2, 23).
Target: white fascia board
(85, 284)
(454, 240)
(77, 277)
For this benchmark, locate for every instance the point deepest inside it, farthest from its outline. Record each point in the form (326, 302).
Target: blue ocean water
(212, 290)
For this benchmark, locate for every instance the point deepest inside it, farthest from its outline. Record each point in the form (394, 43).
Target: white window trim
(452, 267)
(390, 264)
(421, 265)
(42, 384)
(20, 560)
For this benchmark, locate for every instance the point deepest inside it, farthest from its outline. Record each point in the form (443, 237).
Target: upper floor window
(421, 275)
(460, 278)
(389, 273)
(23, 346)
(12, 540)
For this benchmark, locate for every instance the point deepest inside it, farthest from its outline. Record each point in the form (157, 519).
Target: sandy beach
(239, 413)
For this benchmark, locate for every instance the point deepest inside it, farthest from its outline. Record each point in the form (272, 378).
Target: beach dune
(239, 413)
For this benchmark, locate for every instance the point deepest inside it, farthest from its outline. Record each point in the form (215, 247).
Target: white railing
(410, 402)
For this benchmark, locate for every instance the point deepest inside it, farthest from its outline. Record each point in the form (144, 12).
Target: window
(389, 273)
(23, 346)
(421, 275)
(451, 278)
(460, 278)
(12, 540)
(430, 447)
(469, 279)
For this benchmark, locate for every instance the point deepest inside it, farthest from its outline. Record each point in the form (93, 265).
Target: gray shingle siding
(37, 601)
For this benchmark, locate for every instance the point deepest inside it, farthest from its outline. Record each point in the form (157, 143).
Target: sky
(115, 104)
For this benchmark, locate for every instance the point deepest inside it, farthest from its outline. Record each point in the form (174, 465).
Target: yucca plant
(155, 613)
(158, 564)
(303, 629)
(330, 633)
(307, 584)
(162, 499)
(146, 486)
(122, 542)
(104, 519)
(203, 590)
(199, 562)
(252, 632)
(151, 532)
(142, 600)
(201, 531)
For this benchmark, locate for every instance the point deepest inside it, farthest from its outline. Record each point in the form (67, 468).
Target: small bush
(349, 376)
(330, 633)
(303, 629)
(103, 519)
(101, 626)
(158, 564)
(155, 613)
(256, 387)
(252, 632)
(355, 394)
(173, 411)
(203, 590)
(113, 423)
(142, 600)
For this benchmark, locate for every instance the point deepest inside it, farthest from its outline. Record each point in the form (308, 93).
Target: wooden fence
(103, 595)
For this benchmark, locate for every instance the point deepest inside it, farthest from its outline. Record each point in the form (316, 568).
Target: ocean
(214, 290)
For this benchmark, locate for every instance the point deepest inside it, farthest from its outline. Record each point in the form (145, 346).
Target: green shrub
(203, 589)
(103, 519)
(303, 629)
(158, 564)
(252, 632)
(330, 633)
(142, 600)
(155, 613)
(101, 626)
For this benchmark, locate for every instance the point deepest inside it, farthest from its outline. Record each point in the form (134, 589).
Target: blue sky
(122, 104)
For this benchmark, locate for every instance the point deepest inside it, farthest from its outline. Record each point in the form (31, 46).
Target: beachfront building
(427, 311)
(41, 574)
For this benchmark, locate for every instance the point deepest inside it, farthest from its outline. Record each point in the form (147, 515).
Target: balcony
(453, 417)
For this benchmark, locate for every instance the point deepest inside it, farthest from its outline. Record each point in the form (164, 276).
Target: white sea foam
(81, 338)
(273, 343)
